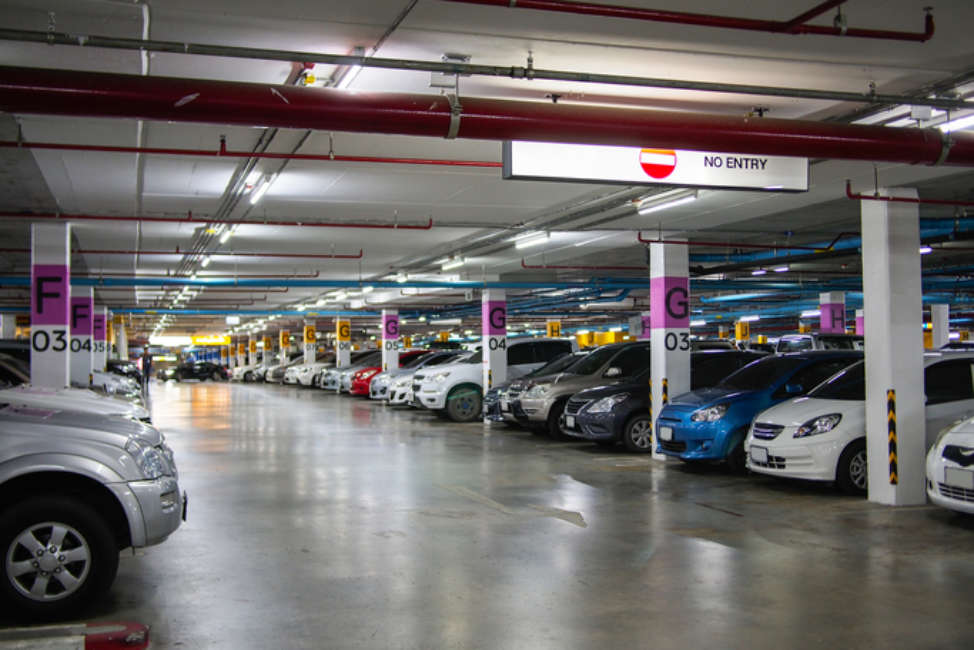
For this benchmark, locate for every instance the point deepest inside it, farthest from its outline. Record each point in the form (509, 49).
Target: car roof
(822, 354)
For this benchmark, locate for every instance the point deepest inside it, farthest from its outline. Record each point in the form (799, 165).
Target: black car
(620, 412)
(125, 368)
(200, 370)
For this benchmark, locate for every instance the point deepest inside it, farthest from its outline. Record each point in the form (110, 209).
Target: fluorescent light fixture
(341, 295)
(759, 272)
(615, 329)
(226, 235)
(531, 239)
(925, 249)
(205, 262)
(356, 304)
(591, 241)
(749, 319)
(582, 332)
(400, 277)
(233, 320)
(260, 190)
(957, 125)
(467, 332)
(368, 289)
(170, 341)
(194, 276)
(321, 302)
(954, 336)
(454, 263)
(445, 321)
(697, 323)
(811, 313)
(301, 307)
(782, 269)
(665, 201)
(422, 319)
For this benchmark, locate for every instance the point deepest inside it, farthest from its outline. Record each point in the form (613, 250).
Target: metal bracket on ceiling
(456, 111)
(946, 142)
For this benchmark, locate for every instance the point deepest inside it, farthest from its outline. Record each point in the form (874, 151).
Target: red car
(362, 379)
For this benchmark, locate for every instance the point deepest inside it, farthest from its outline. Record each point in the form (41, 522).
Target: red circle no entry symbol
(658, 163)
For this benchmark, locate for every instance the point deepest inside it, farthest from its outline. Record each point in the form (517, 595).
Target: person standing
(146, 367)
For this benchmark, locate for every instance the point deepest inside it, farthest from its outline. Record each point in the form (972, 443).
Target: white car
(245, 373)
(112, 383)
(950, 468)
(821, 436)
(71, 399)
(457, 388)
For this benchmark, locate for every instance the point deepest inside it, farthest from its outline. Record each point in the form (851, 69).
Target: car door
(949, 387)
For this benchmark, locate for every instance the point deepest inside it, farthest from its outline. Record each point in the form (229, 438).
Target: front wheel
(553, 424)
(216, 376)
(638, 434)
(463, 404)
(736, 460)
(851, 473)
(58, 556)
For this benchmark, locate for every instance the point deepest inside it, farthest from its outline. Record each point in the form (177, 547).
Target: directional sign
(658, 163)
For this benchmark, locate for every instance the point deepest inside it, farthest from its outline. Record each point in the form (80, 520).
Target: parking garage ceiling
(161, 213)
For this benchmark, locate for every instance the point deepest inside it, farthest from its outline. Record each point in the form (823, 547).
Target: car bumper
(690, 441)
(306, 380)
(813, 462)
(378, 390)
(431, 399)
(940, 492)
(162, 505)
(400, 395)
(599, 426)
(360, 388)
(532, 410)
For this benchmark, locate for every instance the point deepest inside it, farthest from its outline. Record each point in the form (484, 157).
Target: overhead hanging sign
(583, 163)
(210, 339)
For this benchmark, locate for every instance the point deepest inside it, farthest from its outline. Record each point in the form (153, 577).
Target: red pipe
(214, 254)
(69, 92)
(717, 244)
(901, 199)
(582, 268)
(260, 276)
(791, 26)
(708, 20)
(223, 152)
(191, 219)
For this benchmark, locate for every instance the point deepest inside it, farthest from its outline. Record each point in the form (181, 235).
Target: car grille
(766, 431)
(677, 446)
(959, 493)
(575, 405)
(774, 462)
(514, 390)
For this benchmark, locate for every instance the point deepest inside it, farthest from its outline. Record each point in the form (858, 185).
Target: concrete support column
(832, 312)
(8, 326)
(252, 350)
(494, 331)
(893, 312)
(343, 343)
(241, 353)
(99, 338)
(225, 356)
(641, 326)
(121, 338)
(50, 305)
(669, 300)
(940, 322)
(268, 358)
(390, 339)
(82, 312)
(860, 322)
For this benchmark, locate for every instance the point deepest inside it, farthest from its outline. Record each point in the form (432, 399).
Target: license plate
(666, 433)
(962, 478)
(759, 455)
(570, 421)
(505, 406)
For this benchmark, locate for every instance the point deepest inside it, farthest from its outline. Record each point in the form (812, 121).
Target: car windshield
(761, 374)
(553, 366)
(591, 363)
(429, 360)
(848, 384)
(413, 361)
(475, 358)
(840, 343)
(794, 344)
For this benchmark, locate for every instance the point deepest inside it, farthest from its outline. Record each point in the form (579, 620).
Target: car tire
(553, 424)
(216, 376)
(851, 472)
(87, 553)
(736, 461)
(637, 435)
(463, 404)
(248, 377)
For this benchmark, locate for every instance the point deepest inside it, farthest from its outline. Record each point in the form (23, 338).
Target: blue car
(710, 424)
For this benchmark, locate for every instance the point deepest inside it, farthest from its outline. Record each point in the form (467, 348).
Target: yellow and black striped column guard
(666, 391)
(891, 429)
(651, 406)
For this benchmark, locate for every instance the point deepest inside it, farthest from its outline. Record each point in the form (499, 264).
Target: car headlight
(402, 383)
(821, 424)
(709, 414)
(537, 391)
(149, 460)
(606, 404)
(441, 376)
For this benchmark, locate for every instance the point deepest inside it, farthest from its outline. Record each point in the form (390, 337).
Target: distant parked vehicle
(950, 468)
(819, 341)
(200, 370)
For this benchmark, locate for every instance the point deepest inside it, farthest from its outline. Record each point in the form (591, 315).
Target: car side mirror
(794, 389)
(613, 372)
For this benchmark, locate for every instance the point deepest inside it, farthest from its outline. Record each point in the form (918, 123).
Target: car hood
(112, 430)
(71, 399)
(605, 390)
(799, 410)
(567, 383)
(703, 397)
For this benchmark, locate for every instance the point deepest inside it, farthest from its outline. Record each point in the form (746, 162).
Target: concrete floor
(319, 521)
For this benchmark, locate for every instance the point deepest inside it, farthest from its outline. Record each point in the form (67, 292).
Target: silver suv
(819, 341)
(75, 489)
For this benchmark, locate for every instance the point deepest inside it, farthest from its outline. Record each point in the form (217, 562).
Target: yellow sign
(111, 333)
(210, 339)
(722, 331)
(804, 329)
(268, 343)
(224, 353)
(554, 328)
(241, 348)
(928, 339)
(965, 335)
(253, 346)
(444, 336)
(762, 338)
(343, 330)
(742, 331)
(309, 334)
(284, 339)
(407, 341)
